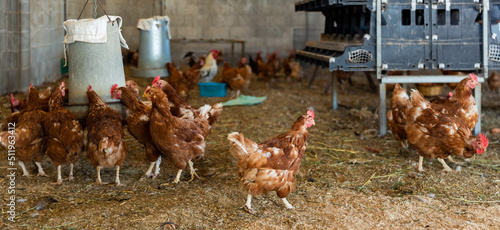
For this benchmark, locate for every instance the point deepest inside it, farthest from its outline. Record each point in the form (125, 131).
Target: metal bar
(477, 95)
(382, 93)
(426, 79)
(477, 90)
(486, 23)
(379, 39)
(382, 108)
(313, 76)
(232, 53)
(334, 90)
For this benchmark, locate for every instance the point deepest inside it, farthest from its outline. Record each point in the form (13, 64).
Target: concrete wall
(30, 43)
(31, 32)
(266, 25)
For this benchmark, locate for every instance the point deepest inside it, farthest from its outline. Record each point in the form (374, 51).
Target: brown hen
(271, 165)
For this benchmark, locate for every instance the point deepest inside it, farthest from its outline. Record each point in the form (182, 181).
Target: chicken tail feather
(418, 100)
(238, 142)
(106, 146)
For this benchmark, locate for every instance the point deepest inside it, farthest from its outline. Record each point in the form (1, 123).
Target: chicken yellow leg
(249, 201)
(192, 171)
(71, 166)
(287, 205)
(59, 177)
(40, 169)
(446, 167)
(178, 176)
(117, 180)
(25, 172)
(420, 161)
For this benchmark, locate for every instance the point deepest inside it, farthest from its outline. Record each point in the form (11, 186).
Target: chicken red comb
(473, 76)
(63, 85)
(31, 85)
(310, 113)
(260, 51)
(12, 99)
(157, 78)
(113, 87)
(483, 139)
(451, 94)
(90, 88)
(244, 60)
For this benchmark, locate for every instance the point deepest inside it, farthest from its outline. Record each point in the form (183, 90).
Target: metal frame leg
(477, 95)
(382, 108)
(313, 76)
(334, 90)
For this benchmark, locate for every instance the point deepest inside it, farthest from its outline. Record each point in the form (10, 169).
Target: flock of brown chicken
(165, 124)
(439, 128)
(171, 128)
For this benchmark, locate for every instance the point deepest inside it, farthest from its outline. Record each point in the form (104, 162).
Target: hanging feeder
(154, 47)
(94, 58)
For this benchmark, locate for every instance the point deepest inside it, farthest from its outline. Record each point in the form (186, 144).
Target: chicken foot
(446, 167)
(178, 176)
(150, 170)
(455, 162)
(287, 205)
(404, 144)
(192, 171)
(150, 173)
(420, 161)
(59, 174)
(99, 181)
(40, 169)
(249, 202)
(71, 166)
(157, 171)
(59, 177)
(25, 172)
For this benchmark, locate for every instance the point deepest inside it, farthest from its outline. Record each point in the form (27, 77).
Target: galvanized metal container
(96, 64)
(154, 51)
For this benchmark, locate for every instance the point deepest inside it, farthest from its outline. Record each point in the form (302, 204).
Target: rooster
(435, 134)
(396, 116)
(105, 145)
(271, 165)
(209, 70)
(181, 109)
(28, 136)
(138, 115)
(64, 133)
(179, 139)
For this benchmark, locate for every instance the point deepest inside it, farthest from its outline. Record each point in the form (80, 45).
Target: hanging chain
(95, 9)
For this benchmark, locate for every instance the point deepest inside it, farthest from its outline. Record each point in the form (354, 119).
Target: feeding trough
(154, 48)
(94, 58)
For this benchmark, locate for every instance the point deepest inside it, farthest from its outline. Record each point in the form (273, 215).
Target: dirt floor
(349, 179)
